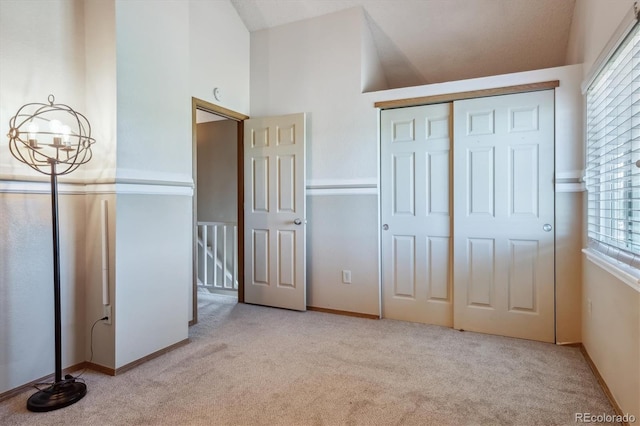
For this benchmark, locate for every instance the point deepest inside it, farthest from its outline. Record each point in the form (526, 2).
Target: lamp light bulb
(33, 134)
(56, 129)
(66, 135)
(33, 131)
(55, 126)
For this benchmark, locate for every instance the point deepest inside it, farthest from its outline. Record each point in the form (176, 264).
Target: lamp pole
(56, 273)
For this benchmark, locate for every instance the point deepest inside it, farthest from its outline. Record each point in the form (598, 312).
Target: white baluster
(214, 255)
(224, 257)
(234, 281)
(204, 255)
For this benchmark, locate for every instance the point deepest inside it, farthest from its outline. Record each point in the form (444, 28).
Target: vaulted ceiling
(431, 41)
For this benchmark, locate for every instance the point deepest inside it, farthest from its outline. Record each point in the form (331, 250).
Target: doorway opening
(218, 218)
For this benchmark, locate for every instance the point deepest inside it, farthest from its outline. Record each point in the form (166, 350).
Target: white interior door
(274, 204)
(415, 158)
(504, 215)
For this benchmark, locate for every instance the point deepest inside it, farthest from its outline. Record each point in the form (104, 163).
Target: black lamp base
(58, 395)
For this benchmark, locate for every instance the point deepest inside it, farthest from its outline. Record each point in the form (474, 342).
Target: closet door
(415, 159)
(504, 215)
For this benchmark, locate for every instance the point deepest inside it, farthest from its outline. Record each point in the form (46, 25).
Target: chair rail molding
(360, 186)
(570, 181)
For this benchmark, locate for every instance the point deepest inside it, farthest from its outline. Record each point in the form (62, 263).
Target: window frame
(611, 162)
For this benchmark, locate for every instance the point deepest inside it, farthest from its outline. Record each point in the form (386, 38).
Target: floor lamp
(58, 150)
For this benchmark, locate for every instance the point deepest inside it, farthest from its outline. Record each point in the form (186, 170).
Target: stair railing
(218, 255)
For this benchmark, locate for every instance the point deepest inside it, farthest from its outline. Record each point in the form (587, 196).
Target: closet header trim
(450, 97)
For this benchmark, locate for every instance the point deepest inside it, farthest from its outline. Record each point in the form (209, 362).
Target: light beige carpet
(251, 365)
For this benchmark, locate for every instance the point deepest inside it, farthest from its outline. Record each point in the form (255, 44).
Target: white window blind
(613, 147)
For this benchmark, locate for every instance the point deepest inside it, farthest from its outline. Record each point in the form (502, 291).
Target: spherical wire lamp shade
(42, 135)
(55, 140)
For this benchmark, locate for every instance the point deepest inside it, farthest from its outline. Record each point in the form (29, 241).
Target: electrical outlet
(346, 276)
(107, 313)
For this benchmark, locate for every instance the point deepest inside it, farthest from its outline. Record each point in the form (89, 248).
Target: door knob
(385, 227)
(297, 221)
(547, 227)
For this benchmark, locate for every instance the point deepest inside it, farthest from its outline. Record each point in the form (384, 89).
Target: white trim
(138, 189)
(627, 23)
(21, 172)
(622, 271)
(342, 191)
(342, 183)
(570, 181)
(575, 175)
(39, 187)
(366, 186)
(28, 187)
(570, 187)
(100, 188)
(131, 176)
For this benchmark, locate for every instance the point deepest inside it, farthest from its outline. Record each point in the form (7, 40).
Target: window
(613, 148)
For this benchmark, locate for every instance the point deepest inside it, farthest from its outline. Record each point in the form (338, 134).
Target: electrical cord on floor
(68, 378)
(51, 385)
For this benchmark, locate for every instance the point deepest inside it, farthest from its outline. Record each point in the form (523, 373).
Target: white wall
(153, 254)
(315, 66)
(610, 307)
(154, 126)
(341, 235)
(611, 334)
(100, 95)
(45, 59)
(177, 54)
(372, 73)
(153, 275)
(104, 334)
(219, 54)
(160, 66)
(100, 87)
(26, 286)
(593, 24)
